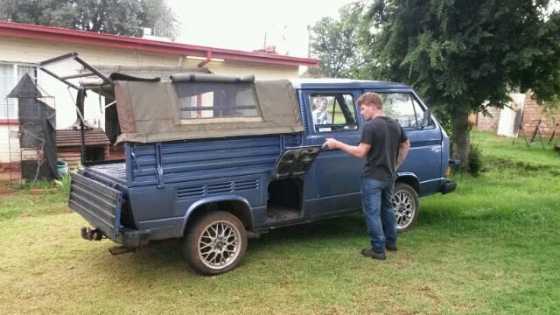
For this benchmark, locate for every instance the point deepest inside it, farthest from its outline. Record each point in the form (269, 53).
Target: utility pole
(308, 41)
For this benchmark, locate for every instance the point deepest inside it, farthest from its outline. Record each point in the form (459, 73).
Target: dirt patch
(9, 176)
(522, 167)
(6, 189)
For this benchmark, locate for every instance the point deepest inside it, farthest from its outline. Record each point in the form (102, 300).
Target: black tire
(215, 243)
(406, 205)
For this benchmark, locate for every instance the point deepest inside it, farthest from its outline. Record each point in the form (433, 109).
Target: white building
(23, 46)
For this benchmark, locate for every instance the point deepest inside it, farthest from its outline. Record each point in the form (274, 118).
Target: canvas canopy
(196, 106)
(128, 73)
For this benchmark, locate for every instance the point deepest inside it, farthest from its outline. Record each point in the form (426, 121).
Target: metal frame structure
(81, 91)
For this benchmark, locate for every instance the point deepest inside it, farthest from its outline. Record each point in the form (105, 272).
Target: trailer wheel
(215, 243)
(406, 205)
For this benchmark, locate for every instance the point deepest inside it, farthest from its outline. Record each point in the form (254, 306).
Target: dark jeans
(379, 212)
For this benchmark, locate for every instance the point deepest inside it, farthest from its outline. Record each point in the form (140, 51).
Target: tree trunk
(461, 138)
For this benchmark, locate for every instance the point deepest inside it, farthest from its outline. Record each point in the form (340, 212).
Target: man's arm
(404, 147)
(359, 151)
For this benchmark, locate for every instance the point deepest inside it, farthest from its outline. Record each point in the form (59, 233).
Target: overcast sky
(242, 24)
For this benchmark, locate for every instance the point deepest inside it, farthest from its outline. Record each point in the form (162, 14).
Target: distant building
(524, 114)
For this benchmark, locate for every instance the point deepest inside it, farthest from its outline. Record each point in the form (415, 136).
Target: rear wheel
(215, 243)
(406, 205)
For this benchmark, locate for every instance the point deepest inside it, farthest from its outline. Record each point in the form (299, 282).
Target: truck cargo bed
(98, 203)
(108, 173)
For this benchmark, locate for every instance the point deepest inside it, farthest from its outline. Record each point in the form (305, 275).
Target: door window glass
(401, 107)
(332, 112)
(420, 114)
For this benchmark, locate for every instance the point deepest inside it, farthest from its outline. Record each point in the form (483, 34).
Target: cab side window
(420, 114)
(399, 106)
(332, 112)
(404, 108)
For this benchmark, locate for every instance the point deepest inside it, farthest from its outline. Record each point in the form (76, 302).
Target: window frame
(221, 119)
(414, 97)
(432, 122)
(307, 95)
(410, 104)
(5, 113)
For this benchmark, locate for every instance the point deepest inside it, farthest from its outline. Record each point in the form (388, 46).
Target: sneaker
(391, 247)
(368, 252)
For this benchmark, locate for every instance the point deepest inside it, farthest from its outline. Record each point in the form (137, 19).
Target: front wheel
(406, 205)
(215, 243)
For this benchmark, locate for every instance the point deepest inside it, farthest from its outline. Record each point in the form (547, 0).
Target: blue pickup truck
(213, 160)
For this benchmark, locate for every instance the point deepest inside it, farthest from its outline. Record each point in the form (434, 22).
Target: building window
(10, 74)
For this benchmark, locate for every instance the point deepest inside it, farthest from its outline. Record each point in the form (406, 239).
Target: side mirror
(426, 119)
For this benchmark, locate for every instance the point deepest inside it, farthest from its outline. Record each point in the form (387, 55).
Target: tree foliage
(334, 42)
(121, 17)
(464, 54)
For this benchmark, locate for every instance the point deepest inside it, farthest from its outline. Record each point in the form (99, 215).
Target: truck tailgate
(96, 202)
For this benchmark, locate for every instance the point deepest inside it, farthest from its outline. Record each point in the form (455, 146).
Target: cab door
(335, 176)
(425, 156)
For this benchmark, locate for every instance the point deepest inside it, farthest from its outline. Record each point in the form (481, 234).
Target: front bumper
(447, 186)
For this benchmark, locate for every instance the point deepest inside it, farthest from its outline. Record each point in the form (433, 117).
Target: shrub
(475, 161)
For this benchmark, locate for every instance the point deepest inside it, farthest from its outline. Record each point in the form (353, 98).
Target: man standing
(384, 145)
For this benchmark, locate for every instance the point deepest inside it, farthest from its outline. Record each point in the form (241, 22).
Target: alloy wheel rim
(219, 245)
(405, 208)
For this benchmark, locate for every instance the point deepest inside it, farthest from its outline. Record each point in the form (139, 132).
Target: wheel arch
(236, 205)
(409, 179)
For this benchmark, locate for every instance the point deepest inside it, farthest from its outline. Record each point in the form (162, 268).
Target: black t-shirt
(385, 136)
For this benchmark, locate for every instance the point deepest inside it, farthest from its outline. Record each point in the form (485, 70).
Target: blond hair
(370, 98)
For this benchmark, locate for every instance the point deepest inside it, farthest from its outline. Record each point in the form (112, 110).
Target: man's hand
(331, 143)
(359, 151)
(404, 147)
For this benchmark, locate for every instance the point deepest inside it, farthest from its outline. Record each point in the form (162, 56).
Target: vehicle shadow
(167, 256)
(342, 228)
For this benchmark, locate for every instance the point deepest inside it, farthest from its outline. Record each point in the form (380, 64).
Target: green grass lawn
(491, 247)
